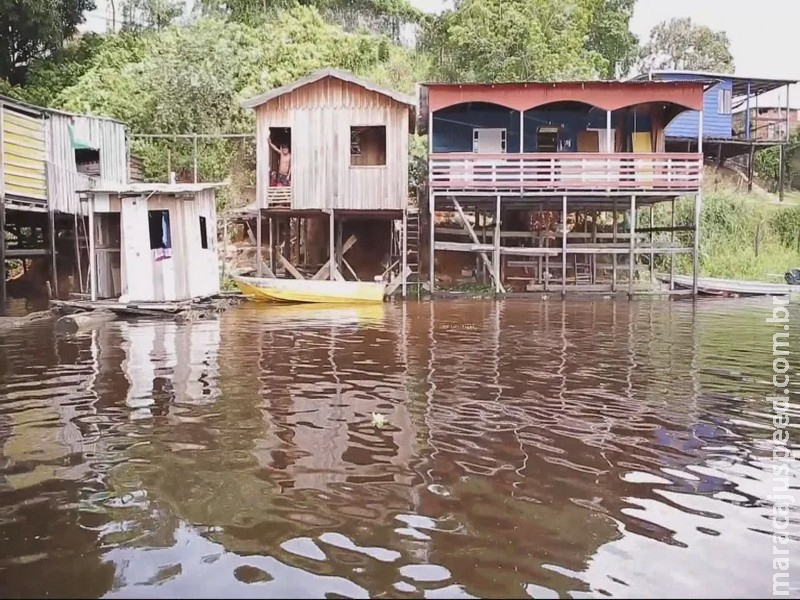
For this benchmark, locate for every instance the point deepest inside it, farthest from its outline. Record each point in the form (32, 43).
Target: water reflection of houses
(538, 417)
(163, 357)
(319, 423)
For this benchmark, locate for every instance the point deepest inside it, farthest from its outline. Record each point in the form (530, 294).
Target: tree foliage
(518, 40)
(768, 163)
(151, 14)
(34, 29)
(683, 45)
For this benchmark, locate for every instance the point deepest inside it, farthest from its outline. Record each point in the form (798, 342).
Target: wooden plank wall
(22, 156)
(320, 116)
(191, 271)
(62, 172)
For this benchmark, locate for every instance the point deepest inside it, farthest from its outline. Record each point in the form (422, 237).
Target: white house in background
(153, 242)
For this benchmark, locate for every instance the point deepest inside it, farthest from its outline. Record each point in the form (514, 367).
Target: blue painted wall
(452, 127)
(715, 125)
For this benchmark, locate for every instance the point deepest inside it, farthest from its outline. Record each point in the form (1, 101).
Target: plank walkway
(711, 285)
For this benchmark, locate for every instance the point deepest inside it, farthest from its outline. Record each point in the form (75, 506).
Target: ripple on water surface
(456, 449)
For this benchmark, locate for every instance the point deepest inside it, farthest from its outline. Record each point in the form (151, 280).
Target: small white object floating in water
(378, 420)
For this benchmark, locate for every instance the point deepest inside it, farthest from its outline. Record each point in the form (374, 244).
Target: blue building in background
(724, 136)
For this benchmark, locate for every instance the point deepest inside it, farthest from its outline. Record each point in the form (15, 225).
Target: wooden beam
(332, 245)
(632, 257)
(564, 247)
(497, 240)
(289, 266)
(397, 281)
(474, 237)
(324, 270)
(51, 229)
(349, 268)
(259, 259)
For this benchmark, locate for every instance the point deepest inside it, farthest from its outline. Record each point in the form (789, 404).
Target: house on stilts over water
(332, 182)
(46, 157)
(550, 187)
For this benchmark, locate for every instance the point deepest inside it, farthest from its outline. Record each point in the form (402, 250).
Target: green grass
(741, 236)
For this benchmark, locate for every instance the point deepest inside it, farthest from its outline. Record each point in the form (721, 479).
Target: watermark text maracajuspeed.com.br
(782, 500)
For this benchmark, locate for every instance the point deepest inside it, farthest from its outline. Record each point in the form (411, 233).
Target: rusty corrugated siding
(22, 155)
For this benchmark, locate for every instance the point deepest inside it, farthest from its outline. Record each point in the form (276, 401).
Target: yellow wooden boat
(269, 289)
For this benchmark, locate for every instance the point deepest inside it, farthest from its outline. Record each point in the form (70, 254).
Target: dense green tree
(681, 44)
(151, 14)
(515, 40)
(33, 29)
(611, 37)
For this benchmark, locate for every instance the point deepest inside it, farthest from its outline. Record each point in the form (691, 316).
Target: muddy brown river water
(530, 449)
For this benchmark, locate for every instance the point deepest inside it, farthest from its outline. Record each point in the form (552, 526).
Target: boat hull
(267, 289)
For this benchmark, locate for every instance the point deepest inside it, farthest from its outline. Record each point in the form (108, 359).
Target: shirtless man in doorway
(284, 175)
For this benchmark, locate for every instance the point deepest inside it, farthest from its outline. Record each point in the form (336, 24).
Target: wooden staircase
(412, 246)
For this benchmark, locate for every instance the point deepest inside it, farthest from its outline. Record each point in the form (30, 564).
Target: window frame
(357, 130)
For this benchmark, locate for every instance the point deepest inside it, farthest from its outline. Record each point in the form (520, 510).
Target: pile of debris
(79, 314)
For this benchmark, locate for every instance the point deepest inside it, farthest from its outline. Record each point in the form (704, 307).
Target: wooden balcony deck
(569, 173)
(279, 197)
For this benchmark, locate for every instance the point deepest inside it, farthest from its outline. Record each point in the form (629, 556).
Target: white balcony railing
(567, 172)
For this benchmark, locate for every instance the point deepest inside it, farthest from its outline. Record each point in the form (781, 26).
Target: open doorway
(280, 156)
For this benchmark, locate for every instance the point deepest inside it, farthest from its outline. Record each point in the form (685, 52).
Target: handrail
(580, 171)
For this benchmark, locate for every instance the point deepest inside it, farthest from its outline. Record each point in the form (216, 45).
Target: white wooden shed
(153, 242)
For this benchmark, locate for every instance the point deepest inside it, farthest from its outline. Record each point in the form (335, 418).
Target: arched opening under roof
(475, 127)
(562, 126)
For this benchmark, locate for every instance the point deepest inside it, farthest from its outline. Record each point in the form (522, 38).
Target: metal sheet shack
(348, 143)
(153, 242)
(46, 156)
(534, 176)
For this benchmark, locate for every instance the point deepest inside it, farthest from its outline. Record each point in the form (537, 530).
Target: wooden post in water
(92, 257)
(614, 256)
(2, 234)
(259, 257)
(652, 256)
(497, 288)
(404, 258)
(78, 253)
(332, 246)
(51, 230)
(698, 205)
(672, 244)
(632, 244)
(564, 246)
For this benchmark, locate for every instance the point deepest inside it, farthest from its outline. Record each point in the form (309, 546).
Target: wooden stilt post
(2, 235)
(698, 205)
(431, 208)
(339, 245)
(332, 245)
(404, 258)
(564, 247)
(632, 245)
(672, 244)
(92, 257)
(259, 256)
(497, 283)
(78, 253)
(51, 227)
(614, 256)
(651, 245)
(224, 243)
(594, 241)
(781, 169)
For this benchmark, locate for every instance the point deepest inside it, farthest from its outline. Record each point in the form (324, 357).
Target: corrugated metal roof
(758, 85)
(26, 106)
(136, 189)
(321, 74)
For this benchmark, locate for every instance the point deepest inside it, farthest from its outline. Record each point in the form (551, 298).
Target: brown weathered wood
(324, 270)
(475, 239)
(289, 266)
(84, 320)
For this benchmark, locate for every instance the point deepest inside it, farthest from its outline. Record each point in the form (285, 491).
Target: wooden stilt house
(347, 190)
